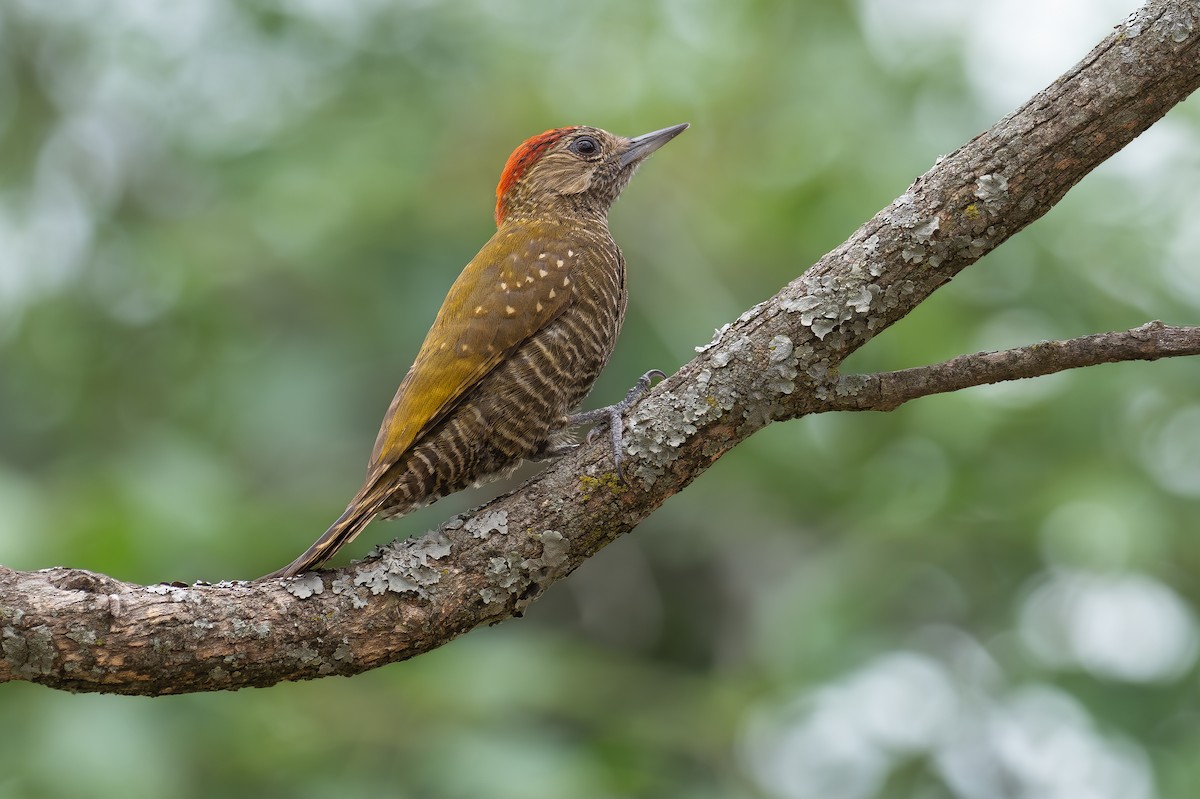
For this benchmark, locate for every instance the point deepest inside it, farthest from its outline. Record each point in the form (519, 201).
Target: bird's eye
(585, 146)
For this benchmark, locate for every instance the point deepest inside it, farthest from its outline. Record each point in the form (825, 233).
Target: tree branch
(887, 391)
(80, 631)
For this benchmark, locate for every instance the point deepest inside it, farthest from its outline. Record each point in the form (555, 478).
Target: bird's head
(576, 170)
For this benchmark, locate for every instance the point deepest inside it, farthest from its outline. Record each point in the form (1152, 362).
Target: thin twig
(886, 391)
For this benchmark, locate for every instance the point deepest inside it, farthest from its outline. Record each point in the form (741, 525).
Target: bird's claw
(610, 417)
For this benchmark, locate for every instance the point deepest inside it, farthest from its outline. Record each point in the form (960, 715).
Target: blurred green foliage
(224, 229)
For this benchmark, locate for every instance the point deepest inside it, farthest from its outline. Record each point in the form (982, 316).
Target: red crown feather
(521, 159)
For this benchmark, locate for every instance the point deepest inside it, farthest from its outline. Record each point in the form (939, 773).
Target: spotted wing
(509, 291)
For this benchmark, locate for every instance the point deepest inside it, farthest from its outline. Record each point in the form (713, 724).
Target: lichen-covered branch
(887, 391)
(80, 631)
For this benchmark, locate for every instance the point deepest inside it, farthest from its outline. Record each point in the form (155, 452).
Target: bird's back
(516, 410)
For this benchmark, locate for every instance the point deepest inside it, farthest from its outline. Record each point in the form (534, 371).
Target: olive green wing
(512, 289)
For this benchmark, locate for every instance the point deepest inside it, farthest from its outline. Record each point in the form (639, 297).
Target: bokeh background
(225, 227)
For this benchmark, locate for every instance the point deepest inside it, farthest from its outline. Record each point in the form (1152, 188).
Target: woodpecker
(519, 341)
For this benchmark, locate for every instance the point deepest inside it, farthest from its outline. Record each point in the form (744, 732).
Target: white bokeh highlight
(1122, 626)
(845, 739)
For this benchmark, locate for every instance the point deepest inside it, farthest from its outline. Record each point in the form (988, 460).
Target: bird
(519, 341)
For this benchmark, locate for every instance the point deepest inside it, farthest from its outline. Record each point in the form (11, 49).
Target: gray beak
(641, 146)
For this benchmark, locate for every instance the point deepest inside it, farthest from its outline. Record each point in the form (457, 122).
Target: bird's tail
(340, 533)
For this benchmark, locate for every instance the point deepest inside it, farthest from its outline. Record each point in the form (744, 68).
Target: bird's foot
(610, 417)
